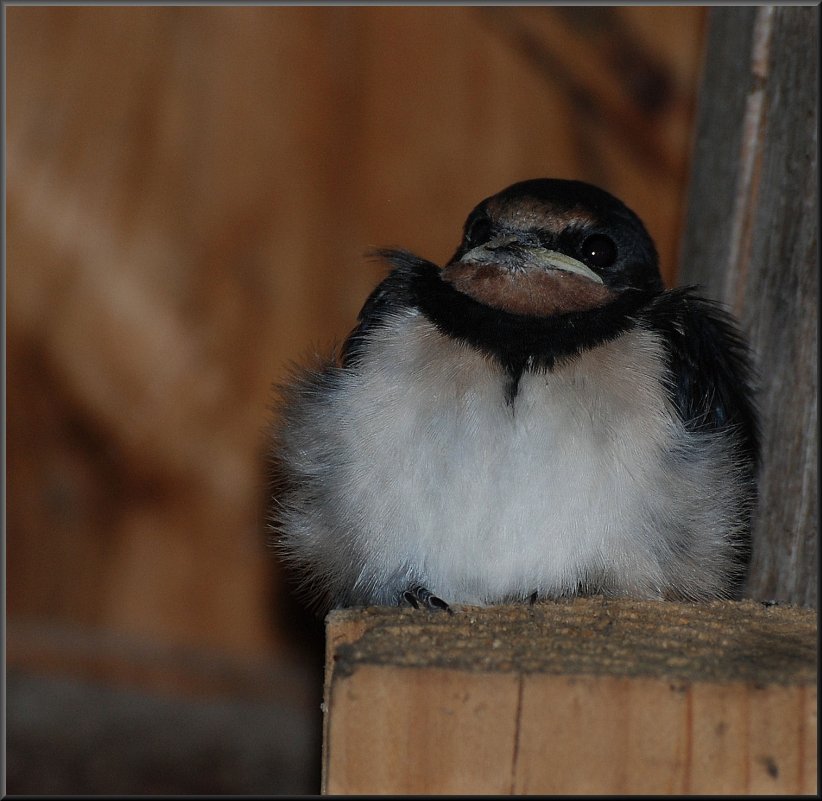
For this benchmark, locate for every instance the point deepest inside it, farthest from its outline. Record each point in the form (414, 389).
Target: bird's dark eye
(599, 250)
(478, 231)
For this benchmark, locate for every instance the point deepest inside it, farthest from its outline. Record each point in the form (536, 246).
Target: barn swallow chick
(538, 418)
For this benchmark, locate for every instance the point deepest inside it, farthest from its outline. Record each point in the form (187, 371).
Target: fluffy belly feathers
(442, 481)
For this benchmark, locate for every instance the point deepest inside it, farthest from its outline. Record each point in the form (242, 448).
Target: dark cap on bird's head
(548, 246)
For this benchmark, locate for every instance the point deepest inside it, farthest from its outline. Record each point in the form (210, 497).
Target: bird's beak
(511, 253)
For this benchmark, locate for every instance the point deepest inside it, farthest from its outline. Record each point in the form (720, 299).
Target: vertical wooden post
(751, 241)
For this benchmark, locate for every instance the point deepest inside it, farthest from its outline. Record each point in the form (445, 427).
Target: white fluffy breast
(429, 476)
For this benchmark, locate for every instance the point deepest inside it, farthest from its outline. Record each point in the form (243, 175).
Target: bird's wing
(711, 366)
(392, 294)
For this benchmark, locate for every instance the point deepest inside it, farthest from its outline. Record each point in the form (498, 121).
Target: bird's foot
(419, 597)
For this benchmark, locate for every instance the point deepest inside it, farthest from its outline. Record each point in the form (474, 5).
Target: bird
(538, 418)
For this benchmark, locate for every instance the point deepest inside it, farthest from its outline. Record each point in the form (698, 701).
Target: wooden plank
(407, 721)
(599, 737)
(751, 241)
(586, 696)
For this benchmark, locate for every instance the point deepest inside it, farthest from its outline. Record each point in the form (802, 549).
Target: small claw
(419, 596)
(411, 599)
(438, 603)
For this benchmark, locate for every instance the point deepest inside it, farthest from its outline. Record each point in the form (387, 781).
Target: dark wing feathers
(392, 293)
(711, 368)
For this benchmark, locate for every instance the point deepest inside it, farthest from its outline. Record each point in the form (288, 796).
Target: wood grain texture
(421, 732)
(586, 696)
(191, 191)
(751, 240)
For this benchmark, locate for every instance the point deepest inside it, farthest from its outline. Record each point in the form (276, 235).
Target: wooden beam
(582, 696)
(751, 241)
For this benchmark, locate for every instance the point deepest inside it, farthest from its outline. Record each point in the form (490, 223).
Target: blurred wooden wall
(190, 192)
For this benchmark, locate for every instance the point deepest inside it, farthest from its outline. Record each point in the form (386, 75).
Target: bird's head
(549, 246)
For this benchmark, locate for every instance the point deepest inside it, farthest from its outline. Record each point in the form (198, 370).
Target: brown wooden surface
(584, 696)
(190, 192)
(751, 240)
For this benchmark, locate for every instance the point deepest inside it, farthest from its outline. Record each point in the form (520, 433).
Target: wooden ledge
(589, 695)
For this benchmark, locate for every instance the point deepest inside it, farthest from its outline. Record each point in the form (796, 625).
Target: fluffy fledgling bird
(538, 418)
